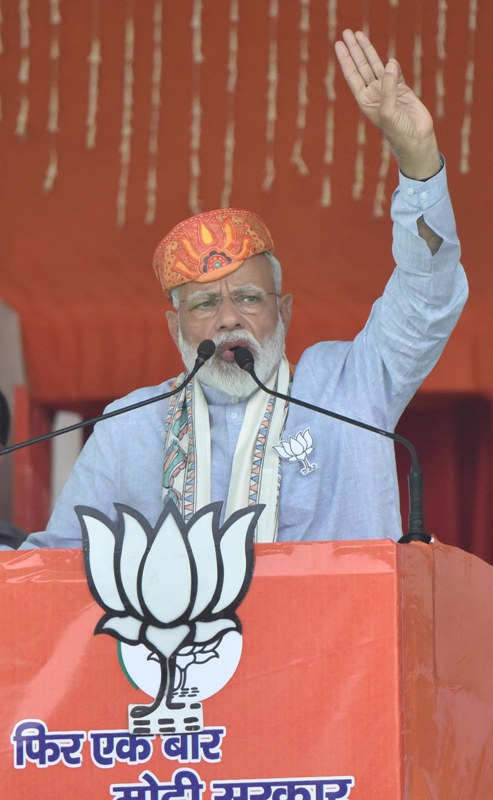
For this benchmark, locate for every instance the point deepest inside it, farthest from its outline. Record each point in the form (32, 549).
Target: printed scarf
(256, 464)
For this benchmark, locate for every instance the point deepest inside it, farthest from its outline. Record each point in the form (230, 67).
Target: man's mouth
(226, 350)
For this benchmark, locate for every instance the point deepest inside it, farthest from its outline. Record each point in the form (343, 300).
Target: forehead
(255, 271)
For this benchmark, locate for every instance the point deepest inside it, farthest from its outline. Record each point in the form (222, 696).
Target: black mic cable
(416, 532)
(205, 351)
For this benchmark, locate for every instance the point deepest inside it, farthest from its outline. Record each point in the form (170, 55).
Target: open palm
(385, 99)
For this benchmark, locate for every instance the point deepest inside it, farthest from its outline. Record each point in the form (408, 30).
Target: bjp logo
(170, 594)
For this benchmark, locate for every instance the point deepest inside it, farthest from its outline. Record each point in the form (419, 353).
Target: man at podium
(223, 438)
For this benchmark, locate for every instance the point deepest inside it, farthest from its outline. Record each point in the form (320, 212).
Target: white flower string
(418, 49)
(23, 75)
(53, 102)
(380, 196)
(441, 56)
(465, 136)
(326, 196)
(127, 115)
(391, 49)
(229, 139)
(297, 154)
(359, 163)
(196, 111)
(272, 85)
(157, 59)
(94, 60)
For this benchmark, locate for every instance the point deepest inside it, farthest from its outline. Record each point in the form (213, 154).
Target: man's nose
(228, 314)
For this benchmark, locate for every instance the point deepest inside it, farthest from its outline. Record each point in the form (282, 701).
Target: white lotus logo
(173, 588)
(297, 448)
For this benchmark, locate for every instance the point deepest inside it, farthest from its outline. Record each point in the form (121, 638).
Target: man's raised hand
(391, 105)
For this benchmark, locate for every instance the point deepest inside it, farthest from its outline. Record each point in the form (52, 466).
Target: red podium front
(366, 672)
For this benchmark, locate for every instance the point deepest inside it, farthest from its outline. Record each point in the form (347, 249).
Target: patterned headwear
(209, 246)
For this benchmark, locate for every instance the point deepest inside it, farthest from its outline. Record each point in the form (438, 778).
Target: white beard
(227, 376)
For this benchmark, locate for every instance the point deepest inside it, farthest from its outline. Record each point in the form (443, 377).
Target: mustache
(234, 336)
(225, 375)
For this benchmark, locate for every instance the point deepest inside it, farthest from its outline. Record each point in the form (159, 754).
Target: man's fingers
(358, 57)
(370, 54)
(349, 70)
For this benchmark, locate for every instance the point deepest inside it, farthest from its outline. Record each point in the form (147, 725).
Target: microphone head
(244, 358)
(206, 350)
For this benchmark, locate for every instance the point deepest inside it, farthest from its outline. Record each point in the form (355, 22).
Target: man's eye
(248, 299)
(209, 302)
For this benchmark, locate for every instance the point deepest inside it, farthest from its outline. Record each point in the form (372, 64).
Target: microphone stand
(416, 532)
(204, 351)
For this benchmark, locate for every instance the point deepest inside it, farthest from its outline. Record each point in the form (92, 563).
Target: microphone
(416, 532)
(205, 351)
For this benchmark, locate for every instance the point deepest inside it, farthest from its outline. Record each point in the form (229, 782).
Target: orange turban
(209, 246)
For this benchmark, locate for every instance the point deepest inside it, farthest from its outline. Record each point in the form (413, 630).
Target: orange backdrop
(91, 310)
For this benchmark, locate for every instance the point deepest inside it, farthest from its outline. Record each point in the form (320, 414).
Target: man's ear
(173, 326)
(286, 309)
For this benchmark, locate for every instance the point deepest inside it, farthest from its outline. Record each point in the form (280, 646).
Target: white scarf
(256, 464)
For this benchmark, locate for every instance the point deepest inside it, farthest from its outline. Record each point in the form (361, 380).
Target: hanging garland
(380, 199)
(53, 102)
(441, 56)
(465, 136)
(297, 154)
(127, 115)
(196, 111)
(272, 86)
(94, 60)
(326, 196)
(23, 75)
(153, 145)
(228, 95)
(229, 139)
(359, 161)
(418, 49)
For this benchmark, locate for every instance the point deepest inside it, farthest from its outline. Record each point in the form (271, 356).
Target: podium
(366, 672)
